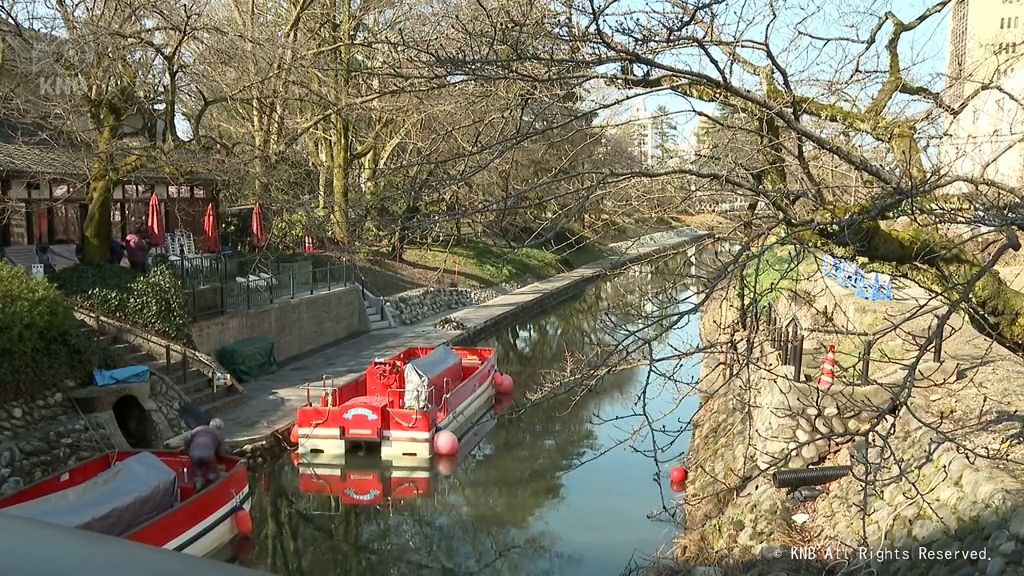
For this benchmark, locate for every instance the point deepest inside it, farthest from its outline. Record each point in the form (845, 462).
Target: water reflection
(564, 485)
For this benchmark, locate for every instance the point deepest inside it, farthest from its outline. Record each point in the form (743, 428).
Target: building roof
(27, 151)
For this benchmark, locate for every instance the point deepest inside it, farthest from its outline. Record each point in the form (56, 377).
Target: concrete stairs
(376, 312)
(190, 381)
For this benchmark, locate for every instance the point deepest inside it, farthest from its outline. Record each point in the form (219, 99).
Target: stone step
(123, 348)
(379, 324)
(196, 384)
(219, 405)
(136, 359)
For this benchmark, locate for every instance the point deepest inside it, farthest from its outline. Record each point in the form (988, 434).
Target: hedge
(41, 344)
(154, 302)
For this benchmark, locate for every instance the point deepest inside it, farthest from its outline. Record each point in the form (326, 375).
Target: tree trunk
(339, 180)
(97, 229)
(96, 232)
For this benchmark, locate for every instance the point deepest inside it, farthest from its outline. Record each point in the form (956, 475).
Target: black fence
(788, 338)
(223, 292)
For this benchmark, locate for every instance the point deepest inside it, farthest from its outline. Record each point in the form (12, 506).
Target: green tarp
(248, 359)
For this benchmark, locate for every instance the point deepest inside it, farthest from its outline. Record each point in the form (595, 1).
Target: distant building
(984, 64)
(643, 129)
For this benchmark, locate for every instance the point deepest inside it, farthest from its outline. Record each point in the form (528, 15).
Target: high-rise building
(985, 66)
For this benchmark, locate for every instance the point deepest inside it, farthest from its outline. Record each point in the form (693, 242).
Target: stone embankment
(414, 306)
(921, 499)
(52, 431)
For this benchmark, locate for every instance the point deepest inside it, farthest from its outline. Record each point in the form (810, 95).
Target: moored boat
(404, 404)
(145, 496)
(366, 479)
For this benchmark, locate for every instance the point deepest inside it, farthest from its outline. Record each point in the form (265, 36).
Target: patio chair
(62, 256)
(22, 256)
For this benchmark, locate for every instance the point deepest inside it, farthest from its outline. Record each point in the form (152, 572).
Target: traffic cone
(307, 244)
(828, 368)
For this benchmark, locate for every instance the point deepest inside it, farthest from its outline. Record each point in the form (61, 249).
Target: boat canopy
(419, 372)
(115, 501)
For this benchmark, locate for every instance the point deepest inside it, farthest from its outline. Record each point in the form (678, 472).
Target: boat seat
(114, 502)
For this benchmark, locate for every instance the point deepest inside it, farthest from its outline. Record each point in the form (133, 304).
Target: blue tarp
(126, 375)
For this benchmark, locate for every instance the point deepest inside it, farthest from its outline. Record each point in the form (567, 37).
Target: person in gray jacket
(204, 445)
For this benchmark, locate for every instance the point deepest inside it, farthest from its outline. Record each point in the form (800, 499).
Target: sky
(923, 51)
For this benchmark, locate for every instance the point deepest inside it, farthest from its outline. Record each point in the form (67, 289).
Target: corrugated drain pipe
(797, 477)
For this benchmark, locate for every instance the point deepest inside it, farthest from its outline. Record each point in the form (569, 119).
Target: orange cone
(828, 368)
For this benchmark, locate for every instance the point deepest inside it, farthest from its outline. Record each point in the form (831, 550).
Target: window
(1002, 23)
(1016, 20)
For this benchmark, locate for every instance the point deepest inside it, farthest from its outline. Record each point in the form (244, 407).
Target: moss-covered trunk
(103, 177)
(944, 267)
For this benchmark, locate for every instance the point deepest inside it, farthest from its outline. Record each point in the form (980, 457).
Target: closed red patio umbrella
(259, 236)
(211, 236)
(155, 222)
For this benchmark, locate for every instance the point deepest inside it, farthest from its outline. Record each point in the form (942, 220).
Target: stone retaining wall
(42, 436)
(413, 306)
(45, 434)
(910, 486)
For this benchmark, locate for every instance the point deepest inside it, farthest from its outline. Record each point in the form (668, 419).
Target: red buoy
(677, 486)
(243, 522)
(294, 436)
(502, 383)
(677, 474)
(446, 443)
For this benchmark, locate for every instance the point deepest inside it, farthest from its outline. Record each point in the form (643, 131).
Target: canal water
(563, 482)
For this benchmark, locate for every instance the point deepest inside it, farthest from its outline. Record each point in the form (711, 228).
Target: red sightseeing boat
(145, 496)
(412, 405)
(365, 479)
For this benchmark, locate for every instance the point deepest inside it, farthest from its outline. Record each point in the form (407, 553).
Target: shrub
(41, 345)
(154, 302)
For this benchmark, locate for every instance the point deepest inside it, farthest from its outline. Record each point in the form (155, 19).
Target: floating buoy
(446, 443)
(677, 486)
(446, 465)
(502, 383)
(243, 522)
(677, 474)
(294, 436)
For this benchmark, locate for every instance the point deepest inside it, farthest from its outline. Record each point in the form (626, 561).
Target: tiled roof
(41, 161)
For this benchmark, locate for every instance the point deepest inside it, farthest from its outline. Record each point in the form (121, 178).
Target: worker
(204, 445)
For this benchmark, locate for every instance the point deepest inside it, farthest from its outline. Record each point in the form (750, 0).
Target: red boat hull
(198, 524)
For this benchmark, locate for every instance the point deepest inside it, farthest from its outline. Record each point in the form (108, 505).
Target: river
(565, 485)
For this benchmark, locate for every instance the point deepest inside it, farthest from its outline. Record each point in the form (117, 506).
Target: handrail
(204, 364)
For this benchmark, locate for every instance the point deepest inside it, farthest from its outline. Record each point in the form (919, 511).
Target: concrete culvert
(133, 420)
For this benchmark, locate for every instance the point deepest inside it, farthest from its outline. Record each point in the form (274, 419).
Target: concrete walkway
(271, 401)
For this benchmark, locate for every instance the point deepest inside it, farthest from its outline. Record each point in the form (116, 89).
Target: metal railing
(260, 290)
(788, 339)
(172, 356)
